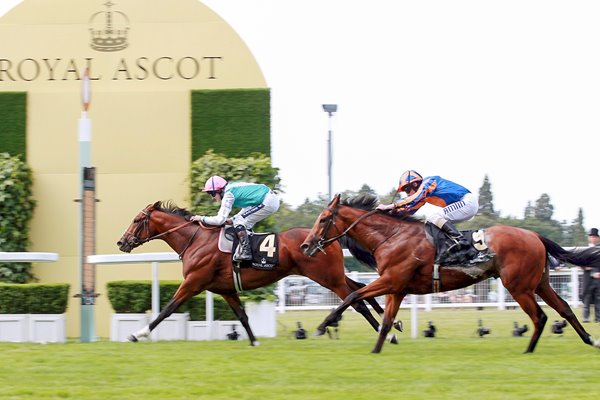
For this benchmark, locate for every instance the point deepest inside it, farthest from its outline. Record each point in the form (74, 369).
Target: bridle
(145, 225)
(323, 241)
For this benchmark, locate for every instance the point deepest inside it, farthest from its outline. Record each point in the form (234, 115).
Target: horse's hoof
(393, 339)
(319, 332)
(398, 326)
(132, 338)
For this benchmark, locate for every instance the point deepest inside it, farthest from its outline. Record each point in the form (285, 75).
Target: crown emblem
(109, 29)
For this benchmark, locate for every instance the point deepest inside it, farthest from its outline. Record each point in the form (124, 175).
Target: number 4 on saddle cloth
(477, 252)
(265, 248)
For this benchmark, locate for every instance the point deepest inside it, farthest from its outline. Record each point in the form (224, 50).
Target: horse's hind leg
(527, 302)
(236, 305)
(545, 291)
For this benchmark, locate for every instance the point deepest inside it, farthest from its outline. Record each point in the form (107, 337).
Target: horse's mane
(171, 208)
(369, 202)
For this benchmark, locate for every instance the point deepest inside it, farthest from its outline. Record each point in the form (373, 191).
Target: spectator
(591, 283)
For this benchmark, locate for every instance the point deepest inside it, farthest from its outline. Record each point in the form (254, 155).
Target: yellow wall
(140, 119)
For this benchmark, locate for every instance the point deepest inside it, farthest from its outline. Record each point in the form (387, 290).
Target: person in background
(456, 203)
(257, 202)
(591, 283)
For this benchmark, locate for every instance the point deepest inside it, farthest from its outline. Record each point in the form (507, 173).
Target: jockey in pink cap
(257, 202)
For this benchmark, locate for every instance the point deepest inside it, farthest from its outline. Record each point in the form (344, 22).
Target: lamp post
(329, 109)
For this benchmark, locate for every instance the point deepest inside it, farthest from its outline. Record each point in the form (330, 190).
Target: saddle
(265, 248)
(477, 252)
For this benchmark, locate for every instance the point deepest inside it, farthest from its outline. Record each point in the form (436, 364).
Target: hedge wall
(233, 122)
(13, 119)
(34, 298)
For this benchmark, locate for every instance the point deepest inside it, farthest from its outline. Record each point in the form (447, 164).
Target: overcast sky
(460, 89)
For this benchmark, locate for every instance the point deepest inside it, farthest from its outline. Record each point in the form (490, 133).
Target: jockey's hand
(386, 207)
(196, 218)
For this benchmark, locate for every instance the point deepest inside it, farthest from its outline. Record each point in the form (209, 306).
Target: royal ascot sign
(58, 69)
(109, 34)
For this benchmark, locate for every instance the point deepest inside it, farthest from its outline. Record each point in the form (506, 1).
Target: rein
(144, 224)
(178, 227)
(323, 242)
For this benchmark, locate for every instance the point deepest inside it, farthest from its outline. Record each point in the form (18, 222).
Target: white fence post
(575, 287)
(281, 296)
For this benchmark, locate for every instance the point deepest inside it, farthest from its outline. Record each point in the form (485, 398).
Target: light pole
(329, 109)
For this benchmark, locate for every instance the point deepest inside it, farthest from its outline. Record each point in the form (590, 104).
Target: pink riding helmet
(214, 184)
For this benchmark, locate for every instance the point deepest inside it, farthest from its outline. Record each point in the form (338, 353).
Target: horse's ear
(335, 201)
(156, 205)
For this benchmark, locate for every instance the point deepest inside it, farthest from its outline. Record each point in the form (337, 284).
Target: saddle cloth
(265, 248)
(478, 251)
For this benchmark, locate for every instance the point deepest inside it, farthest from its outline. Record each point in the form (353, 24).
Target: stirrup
(243, 254)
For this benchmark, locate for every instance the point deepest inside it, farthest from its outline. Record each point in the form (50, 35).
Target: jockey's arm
(224, 211)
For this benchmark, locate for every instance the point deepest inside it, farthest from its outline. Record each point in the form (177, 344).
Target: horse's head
(324, 225)
(139, 232)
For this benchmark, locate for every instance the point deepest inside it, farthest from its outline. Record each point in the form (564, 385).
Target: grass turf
(456, 364)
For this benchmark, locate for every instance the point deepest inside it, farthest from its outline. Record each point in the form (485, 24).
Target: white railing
(9, 256)
(301, 293)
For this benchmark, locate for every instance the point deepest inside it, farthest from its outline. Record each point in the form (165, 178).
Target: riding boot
(244, 251)
(460, 242)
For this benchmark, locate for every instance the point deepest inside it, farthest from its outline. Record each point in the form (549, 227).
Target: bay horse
(404, 257)
(205, 267)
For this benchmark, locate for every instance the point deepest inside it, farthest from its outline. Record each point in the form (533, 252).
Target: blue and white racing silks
(434, 190)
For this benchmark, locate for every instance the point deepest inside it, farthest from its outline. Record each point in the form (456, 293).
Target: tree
(529, 211)
(486, 199)
(543, 208)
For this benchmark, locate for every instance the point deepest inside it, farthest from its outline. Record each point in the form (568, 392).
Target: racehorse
(205, 267)
(404, 257)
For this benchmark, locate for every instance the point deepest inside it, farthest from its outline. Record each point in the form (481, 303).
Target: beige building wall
(140, 114)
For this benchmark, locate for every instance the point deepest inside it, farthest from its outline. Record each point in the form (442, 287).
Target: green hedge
(234, 122)
(34, 298)
(16, 211)
(13, 118)
(136, 297)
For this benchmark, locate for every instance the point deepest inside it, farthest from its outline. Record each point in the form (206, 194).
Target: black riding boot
(244, 251)
(460, 242)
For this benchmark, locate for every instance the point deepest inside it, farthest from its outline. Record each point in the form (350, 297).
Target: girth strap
(237, 278)
(437, 284)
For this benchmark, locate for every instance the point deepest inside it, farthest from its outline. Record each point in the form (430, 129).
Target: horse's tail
(582, 257)
(359, 252)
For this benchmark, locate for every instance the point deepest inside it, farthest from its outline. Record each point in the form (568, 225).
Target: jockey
(256, 200)
(457, 203)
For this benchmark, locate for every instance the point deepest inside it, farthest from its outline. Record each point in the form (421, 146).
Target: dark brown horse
(404, 257)
(205, 267)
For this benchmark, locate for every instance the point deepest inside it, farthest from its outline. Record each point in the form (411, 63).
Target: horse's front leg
(391, 309)
(236, 305)
(185, 291)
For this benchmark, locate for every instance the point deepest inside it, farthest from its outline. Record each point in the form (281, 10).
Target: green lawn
(456, 364)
